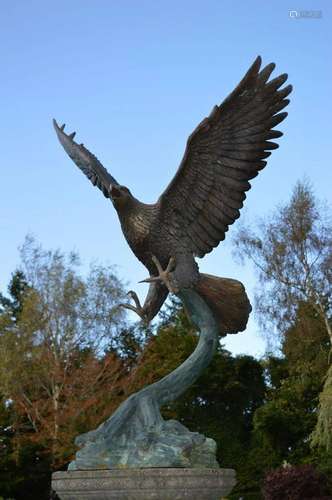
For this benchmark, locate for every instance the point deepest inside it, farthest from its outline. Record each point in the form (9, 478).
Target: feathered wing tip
(85, 160)
(226, 151)
(228, 300)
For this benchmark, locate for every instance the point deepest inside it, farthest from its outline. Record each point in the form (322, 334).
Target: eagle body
(139, 223)
(147, 237)
(136, 219)
(192, 216)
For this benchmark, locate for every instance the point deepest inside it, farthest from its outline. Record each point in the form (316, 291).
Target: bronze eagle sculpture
(225, 151)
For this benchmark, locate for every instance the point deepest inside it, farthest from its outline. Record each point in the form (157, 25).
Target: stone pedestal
(144, 484)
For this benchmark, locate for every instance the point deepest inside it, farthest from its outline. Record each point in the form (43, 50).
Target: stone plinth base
(144, 484)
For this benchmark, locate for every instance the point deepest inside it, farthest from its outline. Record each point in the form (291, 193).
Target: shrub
(296, 483)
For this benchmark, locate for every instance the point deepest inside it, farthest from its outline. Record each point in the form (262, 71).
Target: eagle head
(120, 196)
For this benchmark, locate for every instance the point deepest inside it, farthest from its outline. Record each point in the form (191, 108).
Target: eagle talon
(137, 308)
(164, 275)
(133, 295)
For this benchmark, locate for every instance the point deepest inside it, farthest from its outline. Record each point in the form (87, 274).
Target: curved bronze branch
(140, 415)
(178, 381)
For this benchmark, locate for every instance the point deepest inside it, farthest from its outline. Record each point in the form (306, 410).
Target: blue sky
(134, 78)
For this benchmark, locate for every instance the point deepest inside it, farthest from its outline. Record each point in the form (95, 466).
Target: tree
(17, 288)
(55, 326)
(292, 252)
(284, 423)
(322, 434)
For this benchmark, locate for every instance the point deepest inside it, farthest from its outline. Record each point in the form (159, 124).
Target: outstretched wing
(225, 151)
(86, 161)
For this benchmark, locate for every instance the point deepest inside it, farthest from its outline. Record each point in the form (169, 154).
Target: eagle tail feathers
(227, 299)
